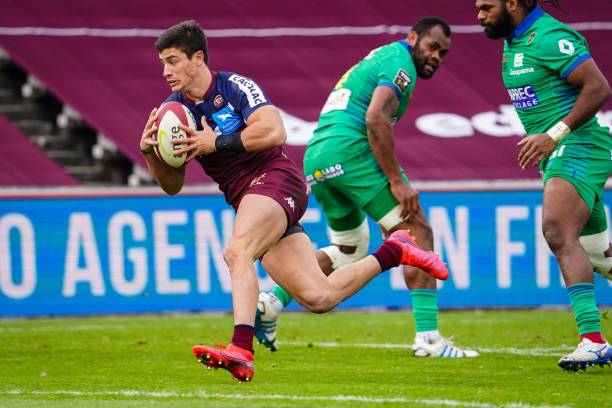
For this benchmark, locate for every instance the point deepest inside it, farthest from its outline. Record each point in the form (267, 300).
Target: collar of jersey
(526, 24)
(407, 45)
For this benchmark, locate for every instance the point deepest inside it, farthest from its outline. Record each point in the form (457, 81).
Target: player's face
(429, 51)
(493, 15)
(179, 71)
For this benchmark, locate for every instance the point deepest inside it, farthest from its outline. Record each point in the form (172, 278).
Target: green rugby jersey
(537, 59)
(342, 119)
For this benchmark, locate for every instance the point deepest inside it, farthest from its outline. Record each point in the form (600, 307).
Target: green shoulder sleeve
(395, 73)
(562, 50)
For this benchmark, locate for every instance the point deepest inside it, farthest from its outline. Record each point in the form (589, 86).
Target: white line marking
(258, 32)
(337, 398)
(538, 351)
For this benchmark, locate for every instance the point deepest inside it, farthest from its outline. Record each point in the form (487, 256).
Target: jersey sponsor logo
(522, 71)
(253, 92)
(337, 100)
(227, 120)
(524, 97)
(518, 59)
(566, 47)
(319, 176)
(402, 80)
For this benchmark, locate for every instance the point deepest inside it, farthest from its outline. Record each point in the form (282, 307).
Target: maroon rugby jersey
(227, 104)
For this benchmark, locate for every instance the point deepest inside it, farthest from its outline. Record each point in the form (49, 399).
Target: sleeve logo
(566, 47)
(402, 80)
(253, 92)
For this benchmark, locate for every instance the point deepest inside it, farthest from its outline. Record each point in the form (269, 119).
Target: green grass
(325, 360)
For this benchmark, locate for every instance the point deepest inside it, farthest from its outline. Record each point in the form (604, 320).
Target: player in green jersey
(351, 166)
(557, 89)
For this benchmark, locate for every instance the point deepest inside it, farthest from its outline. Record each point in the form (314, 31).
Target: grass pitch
(341, 359)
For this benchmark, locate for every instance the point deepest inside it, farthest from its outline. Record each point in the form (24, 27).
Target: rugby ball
(169, 116)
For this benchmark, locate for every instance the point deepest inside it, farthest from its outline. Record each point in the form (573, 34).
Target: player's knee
(316, 301)
(595, 246)
(357, 238)
(552, 231)
(233, 254)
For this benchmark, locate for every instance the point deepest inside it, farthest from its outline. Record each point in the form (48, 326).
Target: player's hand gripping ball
(169, 116)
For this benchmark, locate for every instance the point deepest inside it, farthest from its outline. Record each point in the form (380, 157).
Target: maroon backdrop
(113, 78)
(22, 163)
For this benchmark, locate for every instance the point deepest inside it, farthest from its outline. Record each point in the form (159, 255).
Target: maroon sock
(388, 255)
(594, 337)
(243, 336)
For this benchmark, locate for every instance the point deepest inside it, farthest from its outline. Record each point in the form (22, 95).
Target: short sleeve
(394, 73)
(563, 50)
(247, 95)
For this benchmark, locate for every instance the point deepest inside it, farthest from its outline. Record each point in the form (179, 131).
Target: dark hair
(187, 36)
(427, 23)
(530, 5)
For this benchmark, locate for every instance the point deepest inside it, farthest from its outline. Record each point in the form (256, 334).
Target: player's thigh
(291, 262)
(564, 208)
(587, 168)
(260, 222)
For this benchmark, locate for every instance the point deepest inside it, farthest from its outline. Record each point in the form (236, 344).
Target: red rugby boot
(414, 256)
(236, 360)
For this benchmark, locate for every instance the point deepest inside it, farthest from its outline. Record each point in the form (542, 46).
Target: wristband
(231, 142)
(558, 131)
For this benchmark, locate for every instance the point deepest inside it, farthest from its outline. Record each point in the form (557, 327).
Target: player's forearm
(263, 136)
(380, 136)
(169, 178)
(591, 99)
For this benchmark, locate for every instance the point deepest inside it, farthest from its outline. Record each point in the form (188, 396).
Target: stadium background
(89, 246)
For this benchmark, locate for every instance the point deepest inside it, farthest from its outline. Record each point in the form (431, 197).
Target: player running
(239, 144)
(351, 166)
(557, 89)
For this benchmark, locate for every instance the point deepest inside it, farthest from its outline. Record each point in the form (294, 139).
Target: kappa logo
(402, 80)
(291, 202)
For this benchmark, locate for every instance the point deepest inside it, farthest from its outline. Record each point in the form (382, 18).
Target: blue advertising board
(130, 254)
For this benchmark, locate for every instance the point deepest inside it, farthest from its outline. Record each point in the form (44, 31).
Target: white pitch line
(534, 351)
(537, 351)
(331, 398)
(258, 32)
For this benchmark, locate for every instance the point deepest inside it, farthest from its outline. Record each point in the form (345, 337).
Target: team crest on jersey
(402, 80)
(531, 37)
(218, 101)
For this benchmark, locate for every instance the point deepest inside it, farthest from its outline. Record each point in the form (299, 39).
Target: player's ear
(512, 5)
(198, 56)
(412, 38)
